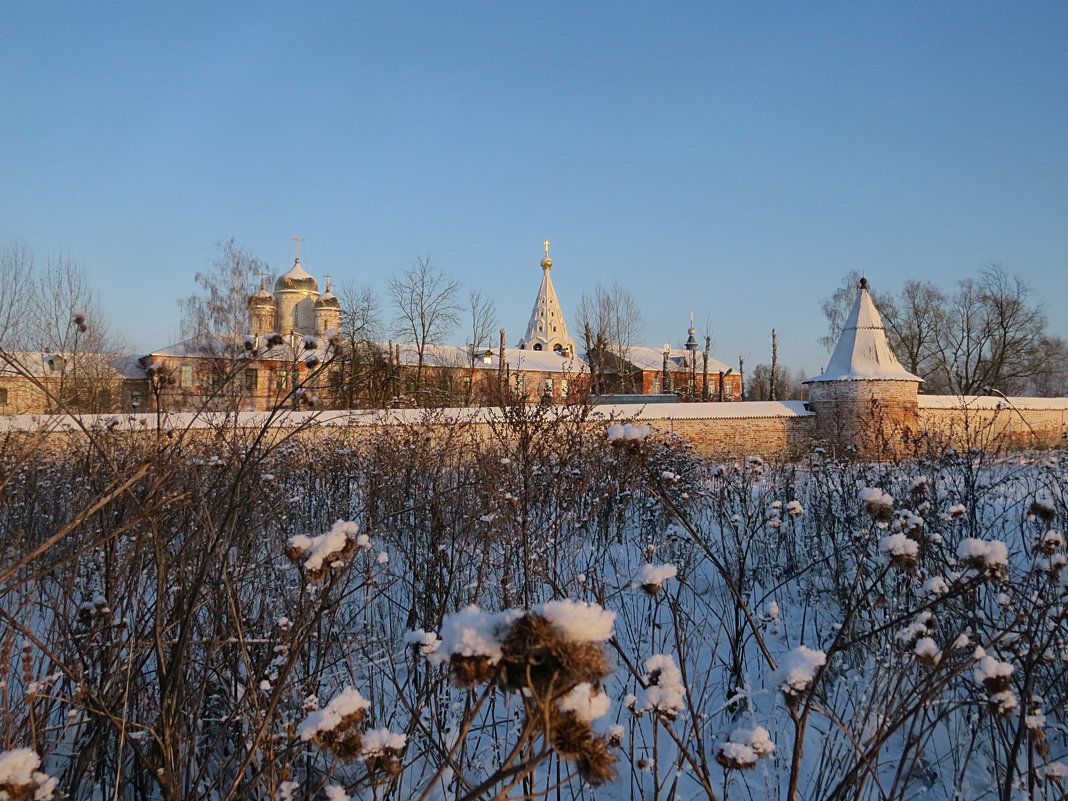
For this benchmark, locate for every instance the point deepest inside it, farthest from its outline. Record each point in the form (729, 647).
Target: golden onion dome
(297, 279)
(261, 299)
(328, 300)
(546, 263)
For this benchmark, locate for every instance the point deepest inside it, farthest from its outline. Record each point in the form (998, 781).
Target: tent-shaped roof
(547, 329)
(863, 352)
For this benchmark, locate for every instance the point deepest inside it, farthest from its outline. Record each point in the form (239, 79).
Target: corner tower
(547, 329)
(865, 398)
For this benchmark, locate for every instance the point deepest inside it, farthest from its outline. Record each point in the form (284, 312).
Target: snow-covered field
(556, 611)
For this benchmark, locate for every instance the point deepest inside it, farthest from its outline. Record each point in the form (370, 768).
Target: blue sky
(731, 160)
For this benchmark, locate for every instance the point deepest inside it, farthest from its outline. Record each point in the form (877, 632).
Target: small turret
(262, 310)
(327, 310)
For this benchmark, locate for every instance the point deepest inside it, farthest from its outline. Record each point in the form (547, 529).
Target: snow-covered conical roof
(863, 352)
(547, 328)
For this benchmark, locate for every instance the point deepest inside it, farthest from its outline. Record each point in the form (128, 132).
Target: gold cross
(327, 276)
(546, 243)
(298, 240)
(263, 279)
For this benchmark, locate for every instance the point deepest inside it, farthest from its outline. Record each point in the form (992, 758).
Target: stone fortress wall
(865, 404)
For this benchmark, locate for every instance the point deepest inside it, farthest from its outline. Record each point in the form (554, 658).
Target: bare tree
(482, 313)
(427, 309)
(787, 385)
(916, 329)
(221, 305)
(69, 325)
(216, 319)
(361, 370)
(836, 308)
(16, 294)
(611, 321)
(996, 335)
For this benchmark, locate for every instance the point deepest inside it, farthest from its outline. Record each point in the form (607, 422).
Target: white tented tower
(547, 329)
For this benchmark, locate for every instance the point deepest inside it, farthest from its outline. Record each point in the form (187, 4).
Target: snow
(1055, 771)
(472, 632)
(757, 739)
(335, 792)
(586, 703)
(377, 741)
(898, 545)
(654, 575)
(316, 550)
(427, 641)
(795, 508)
(862, 351)
(665, 693)
(927, 649)
(626, 432)
(875, 495)
(991, 668)
(990, 555)
(579, 621)
(935, 586)
(18, 768)
(798, 669)
(990, 402)
(738, 754)
(341, 705)
(1052, 540)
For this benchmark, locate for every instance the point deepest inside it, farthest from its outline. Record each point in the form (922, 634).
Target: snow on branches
(21, 779)
(797, 671)
(327, 551)
(553, 655)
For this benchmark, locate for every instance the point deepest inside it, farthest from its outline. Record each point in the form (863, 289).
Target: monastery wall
(993, 423)
(780, 430)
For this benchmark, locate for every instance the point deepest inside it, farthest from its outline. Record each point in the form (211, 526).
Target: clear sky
(732, 160)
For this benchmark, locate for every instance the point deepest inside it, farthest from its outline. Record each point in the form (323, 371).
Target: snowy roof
(51, 365)
(356, 417)
(514, 359)
(217, 346)
(863, 352)
(991, 402)
(653, 359)
(297, 278)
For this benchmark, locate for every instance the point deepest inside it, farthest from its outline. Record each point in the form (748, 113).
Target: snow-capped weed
(20, 779)
(796, 673)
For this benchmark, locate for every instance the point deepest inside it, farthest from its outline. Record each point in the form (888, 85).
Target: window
(281, 376)
(3, 397)
(251, 379)
(563, 387)
(656, 385)
(549, 387)
(136, 399)
(187, 376)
